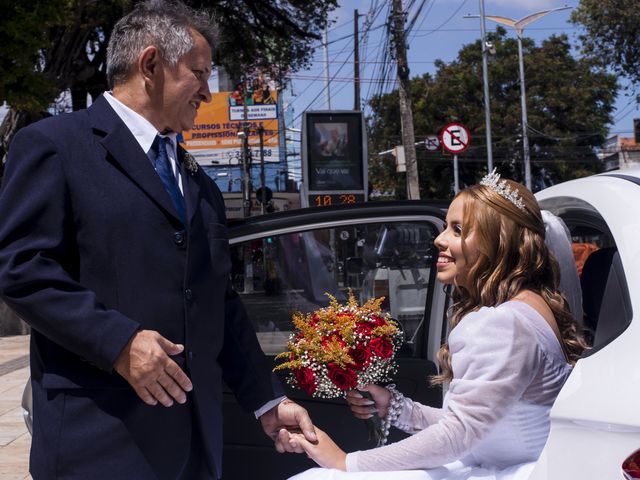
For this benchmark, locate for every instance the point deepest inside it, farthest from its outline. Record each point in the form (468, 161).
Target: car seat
(605, 297)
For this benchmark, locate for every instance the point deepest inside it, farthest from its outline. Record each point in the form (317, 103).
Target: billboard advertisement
(214, 140)
(334, 155)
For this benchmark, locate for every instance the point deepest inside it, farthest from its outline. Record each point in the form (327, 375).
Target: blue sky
(439, 32)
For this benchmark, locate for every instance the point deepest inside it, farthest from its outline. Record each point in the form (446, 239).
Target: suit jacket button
(190, 354)
(188, 294)
(178, 238)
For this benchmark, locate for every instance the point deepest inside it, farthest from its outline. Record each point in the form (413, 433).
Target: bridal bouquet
(340, 348)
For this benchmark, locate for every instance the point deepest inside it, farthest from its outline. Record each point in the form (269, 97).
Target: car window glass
(278, 275)
(605, 295)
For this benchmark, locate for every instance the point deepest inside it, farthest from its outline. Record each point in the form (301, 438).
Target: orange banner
(214, 140)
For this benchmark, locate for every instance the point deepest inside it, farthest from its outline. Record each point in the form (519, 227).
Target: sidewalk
(15, 440)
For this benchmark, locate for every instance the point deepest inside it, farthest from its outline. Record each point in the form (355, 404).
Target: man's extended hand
(146, 365)
(285, 417)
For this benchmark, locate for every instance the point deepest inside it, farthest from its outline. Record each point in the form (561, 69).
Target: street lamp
(518, 26)
(487, 49)
(485, 86)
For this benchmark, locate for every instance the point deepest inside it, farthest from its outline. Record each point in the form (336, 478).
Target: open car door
(286, 263)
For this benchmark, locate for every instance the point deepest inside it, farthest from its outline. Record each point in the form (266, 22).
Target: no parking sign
(455, 138)
(432, 143)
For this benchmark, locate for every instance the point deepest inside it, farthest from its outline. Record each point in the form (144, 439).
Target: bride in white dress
(511, 347)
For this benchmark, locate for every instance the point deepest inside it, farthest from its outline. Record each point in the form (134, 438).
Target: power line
(320, 76)
(376, 62)
(619, 115)
(368, 28)
(337, 79)
(415, 17)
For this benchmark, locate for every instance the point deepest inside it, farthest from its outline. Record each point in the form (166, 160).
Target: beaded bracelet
(395, 409)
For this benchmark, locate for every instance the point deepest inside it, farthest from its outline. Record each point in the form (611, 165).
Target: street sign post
(455, 138)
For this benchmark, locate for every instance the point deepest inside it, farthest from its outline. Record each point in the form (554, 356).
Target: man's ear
(149, 63)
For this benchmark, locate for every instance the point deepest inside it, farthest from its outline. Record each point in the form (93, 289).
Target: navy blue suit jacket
(91, 250)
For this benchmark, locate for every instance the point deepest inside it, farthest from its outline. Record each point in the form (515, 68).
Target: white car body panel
(595, 421)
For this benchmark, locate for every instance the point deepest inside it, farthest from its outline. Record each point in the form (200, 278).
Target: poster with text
(214, 139)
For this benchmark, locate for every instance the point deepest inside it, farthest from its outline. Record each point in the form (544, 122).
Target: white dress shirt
(144, 132)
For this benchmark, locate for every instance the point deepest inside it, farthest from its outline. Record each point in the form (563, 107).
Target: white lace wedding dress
(508, 369)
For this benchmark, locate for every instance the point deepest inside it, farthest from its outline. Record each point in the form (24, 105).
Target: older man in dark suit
(113, 248)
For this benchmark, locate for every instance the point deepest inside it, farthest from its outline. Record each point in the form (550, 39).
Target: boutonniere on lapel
(190, 163)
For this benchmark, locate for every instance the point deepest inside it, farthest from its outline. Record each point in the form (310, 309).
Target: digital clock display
(328, 199)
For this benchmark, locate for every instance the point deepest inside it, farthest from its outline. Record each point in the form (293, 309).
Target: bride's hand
(364, 408)
(324, 452)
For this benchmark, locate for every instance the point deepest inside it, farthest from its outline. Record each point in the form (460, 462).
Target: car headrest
(399, 246)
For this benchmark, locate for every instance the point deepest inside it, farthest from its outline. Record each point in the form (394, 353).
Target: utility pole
(485, 86)
(356, 63)
(246, 172)
(327, 83)
(246, 186)
(246, 155)
(525, 125)
(263, 183)
(518, 26)
(406, 108)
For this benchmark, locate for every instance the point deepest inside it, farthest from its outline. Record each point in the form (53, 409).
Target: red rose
(360, 355)
(382, 347)
(378, 321)
(341, 377)
(306, 379)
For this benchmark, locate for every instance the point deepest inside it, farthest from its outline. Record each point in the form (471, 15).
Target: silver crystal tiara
(492, 180)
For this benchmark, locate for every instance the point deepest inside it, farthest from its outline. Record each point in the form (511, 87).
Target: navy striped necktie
(165, 172)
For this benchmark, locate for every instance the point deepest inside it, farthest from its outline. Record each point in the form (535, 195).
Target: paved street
(14, 437)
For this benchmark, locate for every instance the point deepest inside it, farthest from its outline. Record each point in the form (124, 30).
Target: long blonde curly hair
(512, 257)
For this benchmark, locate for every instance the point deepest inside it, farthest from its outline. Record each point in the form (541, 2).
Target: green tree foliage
(53, 46)
(22, 34)
(47, 46)
(271, 35)
(612, 35)
(569, 102)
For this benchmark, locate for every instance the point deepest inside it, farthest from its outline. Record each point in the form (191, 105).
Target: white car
(286, 262)
(595, 421)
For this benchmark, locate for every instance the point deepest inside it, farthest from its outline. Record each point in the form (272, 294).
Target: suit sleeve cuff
(116, 345)
(268, 406)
